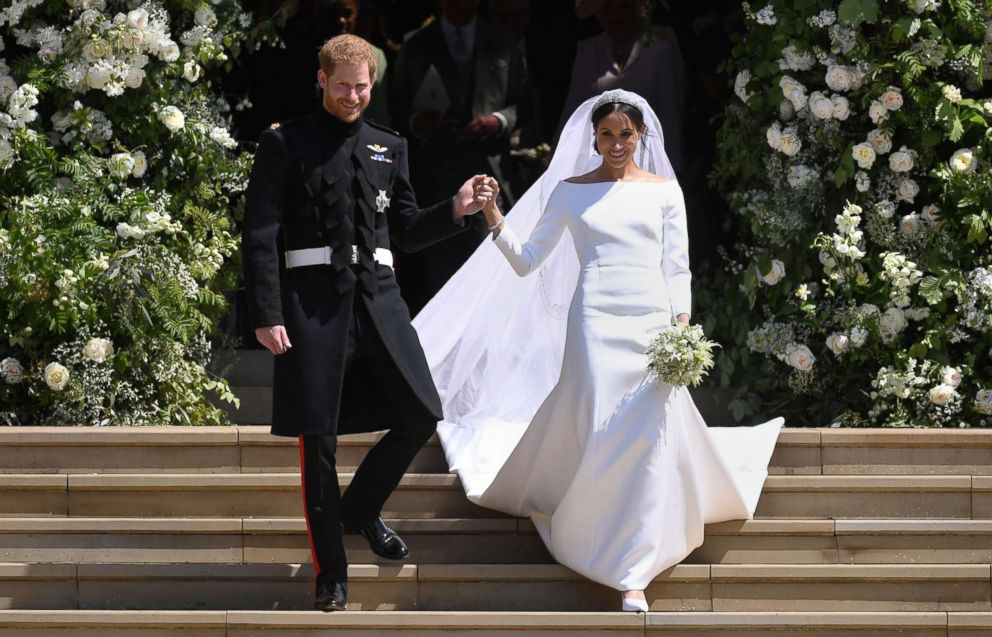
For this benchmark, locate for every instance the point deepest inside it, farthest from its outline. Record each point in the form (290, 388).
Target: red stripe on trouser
(306, 514)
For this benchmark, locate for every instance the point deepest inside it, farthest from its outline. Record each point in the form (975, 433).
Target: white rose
(776, 274)
(740, 85)
(169, 51)
(98, 349)
(910, 225)
(964, 161)
(892, 99)
(908, 189)
(880, 141)
(838, 78)
(799, 357)
(951, 376)
(98, 75)
(983, 401)
(901, 161)
(864, 154)
(191, 71)
(837, 343)
(11, 371)
(95, 50)
(205, 17)
(790, 144)
(134, 77)
(173, 118)
(877, 112)
(56, 376)
(793, 91)
(942, 394)
(140, 164)
(774, 136)
(842, 107)
(821, 106)
(138, 19)
(121, 165)
(892, 323)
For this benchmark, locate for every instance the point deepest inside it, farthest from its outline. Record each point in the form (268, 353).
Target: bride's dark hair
(632, 112)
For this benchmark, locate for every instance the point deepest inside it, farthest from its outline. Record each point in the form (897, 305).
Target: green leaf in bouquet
(855, 12)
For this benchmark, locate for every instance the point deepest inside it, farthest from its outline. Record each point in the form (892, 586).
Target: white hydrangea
(823, 19)
(795, 60)
(766, 16)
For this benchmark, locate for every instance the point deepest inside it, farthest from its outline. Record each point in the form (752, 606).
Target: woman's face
(616, 139)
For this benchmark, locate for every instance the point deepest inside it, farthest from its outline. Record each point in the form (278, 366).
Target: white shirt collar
(468, 31)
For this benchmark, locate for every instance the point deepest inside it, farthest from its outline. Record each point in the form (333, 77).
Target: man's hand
(274, 338)
(426, 124)
(472, 196)
(481, 128)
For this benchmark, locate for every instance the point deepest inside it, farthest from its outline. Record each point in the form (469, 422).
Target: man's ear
(322, 78)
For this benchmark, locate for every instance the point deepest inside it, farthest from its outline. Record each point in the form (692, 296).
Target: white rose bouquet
(681, 355)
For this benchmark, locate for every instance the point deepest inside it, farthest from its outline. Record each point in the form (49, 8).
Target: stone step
(249, 449)
(441, 496)
(72, 540)
(76, 623)
(497, 587)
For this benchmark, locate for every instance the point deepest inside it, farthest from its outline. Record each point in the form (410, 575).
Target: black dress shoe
(330, 596)
(384, 541)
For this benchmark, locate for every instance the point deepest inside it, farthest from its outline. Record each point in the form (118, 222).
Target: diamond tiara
(622, 97)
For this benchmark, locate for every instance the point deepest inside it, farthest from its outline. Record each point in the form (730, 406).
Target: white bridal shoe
(633, 605)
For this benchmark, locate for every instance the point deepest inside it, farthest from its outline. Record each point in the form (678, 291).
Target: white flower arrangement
(681, 355)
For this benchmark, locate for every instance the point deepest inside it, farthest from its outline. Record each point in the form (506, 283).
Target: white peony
(892, 99)
(864, 154)
(951, 376)
(901, 161)
(880, 141)
(11, 371)
(964, 161)
(169, 51)
(98, 349)
(98, 75)
(56, 376)
(799, 357)
(837, 343)
(140, 164)
(774, 135)
(909, 225)
(794, 92)
(173, 118)
(942, 394)
(908, 189)
(842, 107)
(790, 144)
(877, 112)
(776, 274)
(821, 106)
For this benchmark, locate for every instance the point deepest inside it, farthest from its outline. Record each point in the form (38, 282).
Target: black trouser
(373, 380)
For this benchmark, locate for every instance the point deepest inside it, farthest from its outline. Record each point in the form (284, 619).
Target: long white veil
(495, 341)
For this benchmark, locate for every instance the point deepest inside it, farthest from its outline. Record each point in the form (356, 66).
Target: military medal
(381, 202)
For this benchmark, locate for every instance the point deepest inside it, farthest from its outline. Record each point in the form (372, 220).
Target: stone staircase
(198, 531)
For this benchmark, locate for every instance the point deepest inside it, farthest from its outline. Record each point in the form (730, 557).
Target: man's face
(621, 19)
(347, 15)
(346, 91)
(459, 12)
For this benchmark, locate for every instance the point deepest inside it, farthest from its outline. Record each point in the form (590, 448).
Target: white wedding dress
(551, 414)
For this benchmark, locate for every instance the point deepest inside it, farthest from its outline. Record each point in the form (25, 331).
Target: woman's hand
(683, 318)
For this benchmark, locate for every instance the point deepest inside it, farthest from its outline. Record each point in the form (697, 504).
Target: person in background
(349, 14)
(632, 55)
(484, 79)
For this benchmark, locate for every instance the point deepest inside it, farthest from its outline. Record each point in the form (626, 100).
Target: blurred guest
(456, 87)
(349, 13)
(632, 55)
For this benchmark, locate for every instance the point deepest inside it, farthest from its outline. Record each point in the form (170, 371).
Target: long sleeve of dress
(675, 256)
(527, 257)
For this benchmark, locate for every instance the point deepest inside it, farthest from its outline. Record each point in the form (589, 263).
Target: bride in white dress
(550, 412)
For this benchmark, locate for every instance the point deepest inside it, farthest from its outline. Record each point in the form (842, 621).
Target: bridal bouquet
(681, 355)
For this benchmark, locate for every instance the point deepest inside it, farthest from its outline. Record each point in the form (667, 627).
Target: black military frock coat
(317, 181)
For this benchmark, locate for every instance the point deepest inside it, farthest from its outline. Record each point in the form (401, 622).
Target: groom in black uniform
(327, 194)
